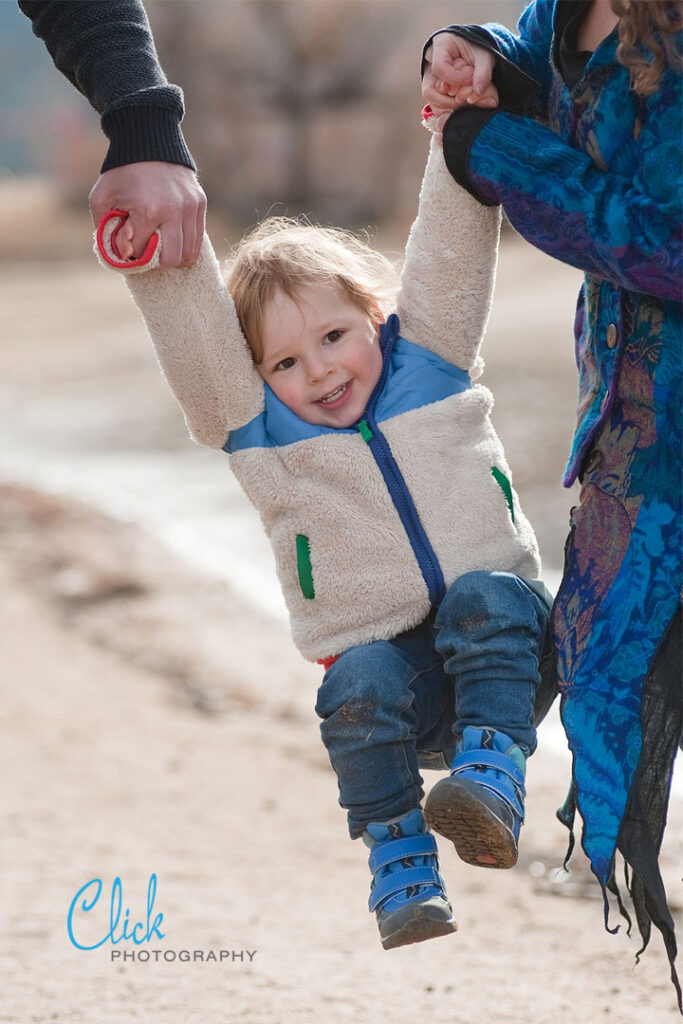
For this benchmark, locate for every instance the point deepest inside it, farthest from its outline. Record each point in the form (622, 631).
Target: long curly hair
(649, 24)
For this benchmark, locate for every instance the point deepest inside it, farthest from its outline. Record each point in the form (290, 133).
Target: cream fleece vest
(368, 525)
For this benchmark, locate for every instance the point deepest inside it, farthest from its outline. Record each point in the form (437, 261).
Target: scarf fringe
(642, 826)
(648, 911)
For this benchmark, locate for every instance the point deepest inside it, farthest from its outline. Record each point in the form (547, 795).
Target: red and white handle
(107, 251)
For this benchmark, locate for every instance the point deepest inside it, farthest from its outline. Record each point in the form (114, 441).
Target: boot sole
(421, 924)
(480, 838)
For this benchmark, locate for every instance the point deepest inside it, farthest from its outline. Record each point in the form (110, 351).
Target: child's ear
(376, 314)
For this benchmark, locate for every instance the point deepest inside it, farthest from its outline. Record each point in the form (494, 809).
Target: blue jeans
(391, 706)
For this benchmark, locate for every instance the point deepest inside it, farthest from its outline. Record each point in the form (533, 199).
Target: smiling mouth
(335, 395)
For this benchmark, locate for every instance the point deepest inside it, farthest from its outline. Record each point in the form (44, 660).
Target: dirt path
(137, 738)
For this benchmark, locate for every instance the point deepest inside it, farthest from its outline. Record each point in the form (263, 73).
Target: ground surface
(125, 752)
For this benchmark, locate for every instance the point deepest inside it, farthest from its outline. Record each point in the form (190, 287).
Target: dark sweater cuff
(516, 89)
(459, 133)
(144, 132)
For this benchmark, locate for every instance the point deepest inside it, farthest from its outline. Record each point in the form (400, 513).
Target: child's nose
(317, 369)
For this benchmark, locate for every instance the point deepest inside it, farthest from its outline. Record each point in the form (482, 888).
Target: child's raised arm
(203, 354)
(449, 271)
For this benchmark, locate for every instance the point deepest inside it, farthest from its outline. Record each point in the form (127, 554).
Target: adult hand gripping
(158, 197)
(457, 73)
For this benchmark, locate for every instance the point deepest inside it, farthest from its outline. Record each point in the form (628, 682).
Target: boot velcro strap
(471, 765)
(511, 798)
(389, 850)
(479, 759)
(399, 881)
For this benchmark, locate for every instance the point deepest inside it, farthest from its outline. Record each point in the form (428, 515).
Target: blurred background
(310, 103)
(291, 105)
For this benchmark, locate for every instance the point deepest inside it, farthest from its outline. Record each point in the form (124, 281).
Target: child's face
(321, 354)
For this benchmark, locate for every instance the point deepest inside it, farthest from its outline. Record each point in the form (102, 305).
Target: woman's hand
(458, 73)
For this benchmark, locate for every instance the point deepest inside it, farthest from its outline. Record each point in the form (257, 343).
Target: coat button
(611, 336)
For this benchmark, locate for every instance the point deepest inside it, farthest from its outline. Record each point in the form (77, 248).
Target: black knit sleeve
(106, 50)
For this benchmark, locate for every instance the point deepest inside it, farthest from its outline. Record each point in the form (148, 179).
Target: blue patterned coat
(593, 177)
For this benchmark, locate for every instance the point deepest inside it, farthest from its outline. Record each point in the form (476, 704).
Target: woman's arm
(625, 230)
(192, 322)
(530, 47)
(449, 271)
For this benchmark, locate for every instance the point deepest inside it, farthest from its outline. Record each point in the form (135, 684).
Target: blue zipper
(393, 478)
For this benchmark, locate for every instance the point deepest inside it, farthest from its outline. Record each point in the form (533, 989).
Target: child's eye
(285, 364)
(333, 335)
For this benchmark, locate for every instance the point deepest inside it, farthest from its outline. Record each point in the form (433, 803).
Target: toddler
(350, 419)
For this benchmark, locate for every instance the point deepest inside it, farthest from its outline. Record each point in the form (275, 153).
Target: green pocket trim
(365, 432)
(304, 567)
(505, 487)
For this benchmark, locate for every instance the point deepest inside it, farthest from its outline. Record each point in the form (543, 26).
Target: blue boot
(480, 807)
(408, 893)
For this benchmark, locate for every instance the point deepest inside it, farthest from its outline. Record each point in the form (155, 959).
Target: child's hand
(434, 120)
(458, 73)
(465, 96)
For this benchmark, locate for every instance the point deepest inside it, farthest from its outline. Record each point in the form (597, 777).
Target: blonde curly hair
(650, 24)
(284, 253)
